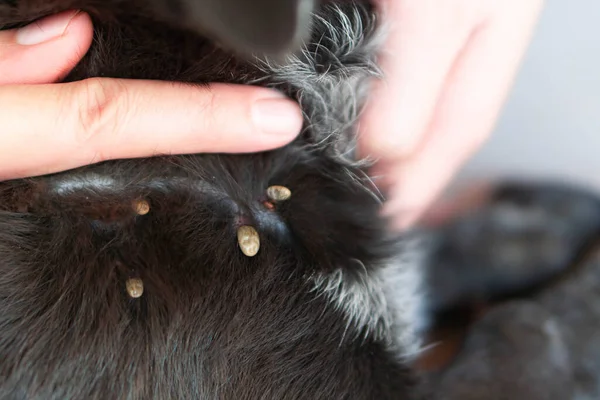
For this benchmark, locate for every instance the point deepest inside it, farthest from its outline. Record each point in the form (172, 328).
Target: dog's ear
(266, 27)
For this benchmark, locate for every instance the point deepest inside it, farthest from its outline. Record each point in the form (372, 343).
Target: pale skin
(449, 66)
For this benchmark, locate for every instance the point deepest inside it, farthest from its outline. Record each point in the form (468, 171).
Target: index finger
(50, 128)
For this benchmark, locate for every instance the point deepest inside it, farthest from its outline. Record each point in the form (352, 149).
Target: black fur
(527, 234)
(212, 323)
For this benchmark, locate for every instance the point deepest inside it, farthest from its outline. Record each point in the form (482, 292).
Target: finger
(468, 109)
(46, 50)
(50, 128)
(424, 42)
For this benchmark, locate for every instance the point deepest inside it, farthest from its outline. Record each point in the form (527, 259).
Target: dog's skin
(325, 310)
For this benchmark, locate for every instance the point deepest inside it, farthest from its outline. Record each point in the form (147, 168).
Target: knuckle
(99, 104)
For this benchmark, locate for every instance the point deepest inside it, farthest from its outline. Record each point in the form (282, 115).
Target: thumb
(46, 50)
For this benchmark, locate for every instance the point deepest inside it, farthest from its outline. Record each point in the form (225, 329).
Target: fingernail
(277, 116)
(45, 29)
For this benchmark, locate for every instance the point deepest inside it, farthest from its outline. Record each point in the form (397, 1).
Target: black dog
(199, 277)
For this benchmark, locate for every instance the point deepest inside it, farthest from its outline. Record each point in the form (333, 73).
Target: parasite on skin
(248, 240)
(135, 287)
(278, 193)
(141, 207)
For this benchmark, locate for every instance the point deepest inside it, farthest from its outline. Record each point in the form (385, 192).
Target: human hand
(449, 65)
(48, 127)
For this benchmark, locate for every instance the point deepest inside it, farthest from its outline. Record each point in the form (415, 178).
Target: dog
(274, 275)
(214, 276)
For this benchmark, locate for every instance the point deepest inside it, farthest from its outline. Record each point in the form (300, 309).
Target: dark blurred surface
(514, 284)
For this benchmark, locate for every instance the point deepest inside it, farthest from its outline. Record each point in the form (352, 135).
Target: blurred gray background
(550, 127)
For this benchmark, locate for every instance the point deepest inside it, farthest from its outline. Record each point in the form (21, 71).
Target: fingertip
(60, 40)
(47, 29)
(80, 31)
(74, 43)
(250, 119)
(277, 119)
